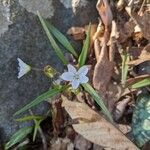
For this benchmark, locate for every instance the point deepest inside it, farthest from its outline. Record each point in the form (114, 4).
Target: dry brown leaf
(104, 67)
(126, 30)
(143, 21)
(120, 108)
(78, 33)
(136, 79)
(97, 48)
(95, 128)
(144, 56)
(105, 12)
(57, 115)
(102, 71)
(99, 32)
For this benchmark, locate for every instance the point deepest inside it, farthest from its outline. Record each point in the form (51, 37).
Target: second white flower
(76, 77)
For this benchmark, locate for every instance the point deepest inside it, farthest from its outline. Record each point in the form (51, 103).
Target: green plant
(82, 58)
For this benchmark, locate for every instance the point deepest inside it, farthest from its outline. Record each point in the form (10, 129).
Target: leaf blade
(142, 83)
(86, 45)
(61, 38)
(125, 68)
(50, 93)
(98, 100)
(52, 41)
(18, 137)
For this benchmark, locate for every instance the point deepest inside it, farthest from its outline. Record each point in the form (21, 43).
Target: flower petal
(67, 76)
(71, 68)
(84, 79)
(23, 68)
(83, 70)
(75, 84)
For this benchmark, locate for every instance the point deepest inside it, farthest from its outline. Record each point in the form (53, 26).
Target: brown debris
(78, 33)
(144, 56)
(95, 128)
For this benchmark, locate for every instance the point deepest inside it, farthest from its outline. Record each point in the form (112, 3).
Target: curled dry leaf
(105, 12)
(120, 108)
(95, 128)
(144, 56)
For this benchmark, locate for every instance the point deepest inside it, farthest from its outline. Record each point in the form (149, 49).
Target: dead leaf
(102, 71)
(105, 12)
(144, 56)
(143, 22)
(137, 79)
(95, 128)
(78, 33)
(120, 108)
(97, 48)
(57, 116)
(125, 31)
(99, 32)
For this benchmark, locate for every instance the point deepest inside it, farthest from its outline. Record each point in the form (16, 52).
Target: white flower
(76, 77)
(23, 68)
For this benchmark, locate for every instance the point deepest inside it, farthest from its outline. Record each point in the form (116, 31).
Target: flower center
(76, 77)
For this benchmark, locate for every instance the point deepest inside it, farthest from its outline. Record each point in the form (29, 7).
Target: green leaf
(18, 137)
(125, 67)
(142, 83)
(36, 127)
(98, 100)
(85, 48)
(52, 41)
(50, 93)
(28, 118)
(61, 38)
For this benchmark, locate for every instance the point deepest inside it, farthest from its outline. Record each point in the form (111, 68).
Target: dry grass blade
(95, 128)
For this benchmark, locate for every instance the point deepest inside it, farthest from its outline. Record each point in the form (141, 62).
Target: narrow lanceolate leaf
(29, 118)
(36, 127)
(125, 67)
(98, 100)
(85, 49)
(52, 41)
(39, 99)
(143, 83)
(61, 38)
(18, 137)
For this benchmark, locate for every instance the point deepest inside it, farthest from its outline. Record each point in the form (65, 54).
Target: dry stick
(44, 142)
(141, 9)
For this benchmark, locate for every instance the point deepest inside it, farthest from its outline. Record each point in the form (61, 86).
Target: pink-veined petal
(84, 79)
(67, 76)
(83, 70)
(75, 84)
(71, 68)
